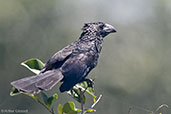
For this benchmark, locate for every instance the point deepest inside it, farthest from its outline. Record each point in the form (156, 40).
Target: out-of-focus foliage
(134, 66)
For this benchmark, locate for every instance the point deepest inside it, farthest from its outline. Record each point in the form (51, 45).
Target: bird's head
(98, 28)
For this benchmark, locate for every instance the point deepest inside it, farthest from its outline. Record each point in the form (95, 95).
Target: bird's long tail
(34, 84)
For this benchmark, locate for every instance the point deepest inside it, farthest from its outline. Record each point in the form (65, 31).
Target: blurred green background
(134, 69)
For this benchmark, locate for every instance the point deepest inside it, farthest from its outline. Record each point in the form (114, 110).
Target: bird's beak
(109, 28)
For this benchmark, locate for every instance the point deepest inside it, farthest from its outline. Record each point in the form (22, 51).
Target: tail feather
(50, 81)
(44, 81)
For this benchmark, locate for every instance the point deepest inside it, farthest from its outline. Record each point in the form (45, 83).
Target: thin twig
(81, 100)
(92, 106)
(161, 106)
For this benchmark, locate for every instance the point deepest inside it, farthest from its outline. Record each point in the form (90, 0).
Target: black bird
(70, 65)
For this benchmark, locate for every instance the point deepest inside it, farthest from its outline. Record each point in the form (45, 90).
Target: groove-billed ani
(71, 64)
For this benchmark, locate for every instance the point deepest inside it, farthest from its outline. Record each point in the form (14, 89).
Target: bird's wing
(76, 69)
(58, 58)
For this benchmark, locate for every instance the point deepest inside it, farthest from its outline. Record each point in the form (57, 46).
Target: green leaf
(32, 95)
(83, 84)
(90, 110)
(69, 108)
(48, 101)
(75, 93)
(89, 90)
(60, 109)
(34, 65)
(52, 99)
(15, 91)
(45, 97)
